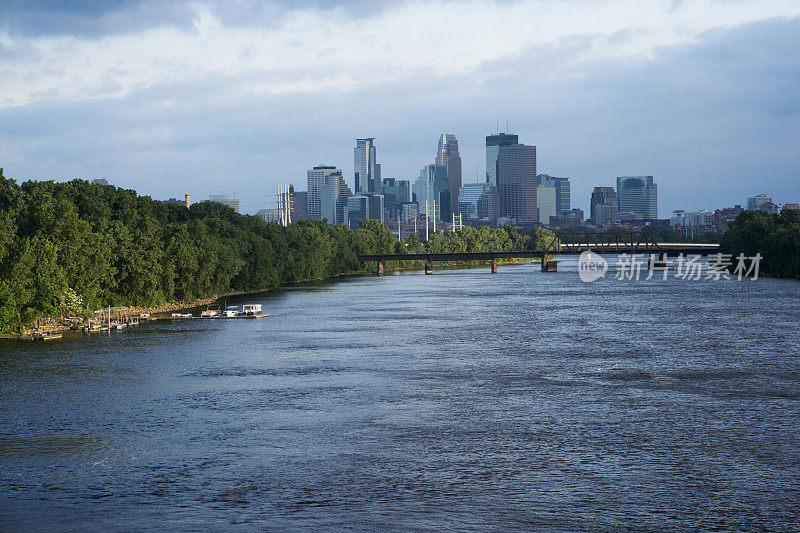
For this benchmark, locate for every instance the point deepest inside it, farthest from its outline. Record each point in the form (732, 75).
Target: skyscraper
(758, 202)
(493, 144)
(448, 157)
(603, 205)
(333, 198)
(432, 186)
(546, 200)
(395, 192)
(367, 171)
(637, 195)
(478, 201)
(316, 180)
(511, 167)
(562, 192)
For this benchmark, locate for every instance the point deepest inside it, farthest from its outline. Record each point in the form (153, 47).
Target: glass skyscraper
(478, 201)
(432, 186)
(493, 144)
(367, 171)
(448, 157)
(637, 195)
(316, 180)
(333, 198)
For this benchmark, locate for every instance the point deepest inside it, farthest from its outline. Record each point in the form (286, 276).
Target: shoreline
(61, 328)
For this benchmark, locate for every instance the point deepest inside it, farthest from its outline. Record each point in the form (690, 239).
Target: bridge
(577, 243)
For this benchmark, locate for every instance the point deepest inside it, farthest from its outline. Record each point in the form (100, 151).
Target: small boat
(251, 309)
(231, 311)
(181, 315)
(47, 336)
(144, 316)
(211, 311)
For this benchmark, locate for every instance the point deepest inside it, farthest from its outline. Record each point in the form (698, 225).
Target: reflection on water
(519, 400)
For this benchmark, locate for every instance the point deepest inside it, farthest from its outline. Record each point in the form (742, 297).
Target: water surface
(462, 400)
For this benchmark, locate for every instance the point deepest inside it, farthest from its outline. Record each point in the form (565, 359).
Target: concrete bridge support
(380, 268)
(429, 267)
(494, 265)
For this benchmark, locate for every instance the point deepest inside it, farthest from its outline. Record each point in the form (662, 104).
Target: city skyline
(601, 95)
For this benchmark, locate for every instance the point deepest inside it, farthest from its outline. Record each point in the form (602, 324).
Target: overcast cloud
(175, 97)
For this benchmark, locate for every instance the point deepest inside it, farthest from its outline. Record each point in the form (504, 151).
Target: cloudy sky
(238, 97)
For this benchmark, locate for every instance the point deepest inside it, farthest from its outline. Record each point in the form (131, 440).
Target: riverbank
(59, 325)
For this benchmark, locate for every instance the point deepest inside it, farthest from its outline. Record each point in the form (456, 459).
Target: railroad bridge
(561, 244)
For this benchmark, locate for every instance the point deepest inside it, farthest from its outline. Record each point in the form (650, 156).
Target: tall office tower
(299, 204)
(637, 195)
(603, 205)
(432, 186)
(515, 176)
(225, 199)
(395, 192)
(448, 157)
(493, 144)
(562, 192)
(333, 198)
(546, 201)
(366, 169)
(478, 201)
(316, 180)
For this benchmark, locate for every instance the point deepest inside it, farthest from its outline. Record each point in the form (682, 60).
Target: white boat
(231, 311)
(210, 312)
(251, 310)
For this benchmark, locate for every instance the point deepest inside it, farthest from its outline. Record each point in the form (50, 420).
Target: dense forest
(69, 248)
(775, 237)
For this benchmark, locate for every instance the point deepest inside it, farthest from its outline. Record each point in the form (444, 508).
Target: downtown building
(367, 170)
(395, 193)
(479, 201)
(317, 177)
(511, 167)
(562, 186)
(432, 193)
(447, 156)
(603, 206)
(225, 199)
(333, 198)
(637, 197)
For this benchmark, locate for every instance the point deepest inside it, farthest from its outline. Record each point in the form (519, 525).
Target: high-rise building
(363, 207)
(432, 186)
(546, 202)
(395, 192)
(225, 199)
(758, 202)
(478, 201)
(493, 144)
(316, 180)
(367, 171)
(299, 204)
(603, 205)
(637, 195)
(333, 198)
(448, 156)
(511, 167)
(563, 202)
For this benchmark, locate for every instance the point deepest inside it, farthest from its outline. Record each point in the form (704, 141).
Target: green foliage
(775, 237)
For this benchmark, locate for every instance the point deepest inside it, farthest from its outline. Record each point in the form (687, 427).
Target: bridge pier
(429, 267)
(494, 265)
(380, 268)
(549, 266)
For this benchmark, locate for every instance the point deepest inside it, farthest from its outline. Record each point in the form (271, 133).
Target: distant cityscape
(512, 193)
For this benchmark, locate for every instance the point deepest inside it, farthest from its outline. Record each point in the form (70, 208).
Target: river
(516, 401)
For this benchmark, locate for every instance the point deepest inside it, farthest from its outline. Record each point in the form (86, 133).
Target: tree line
(67, 248)
(775, 236)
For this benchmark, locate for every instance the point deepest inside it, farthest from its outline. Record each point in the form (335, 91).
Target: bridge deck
(565, 249)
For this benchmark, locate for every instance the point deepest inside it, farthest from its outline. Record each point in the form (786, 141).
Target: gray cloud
(97, 18)
(714, 122)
